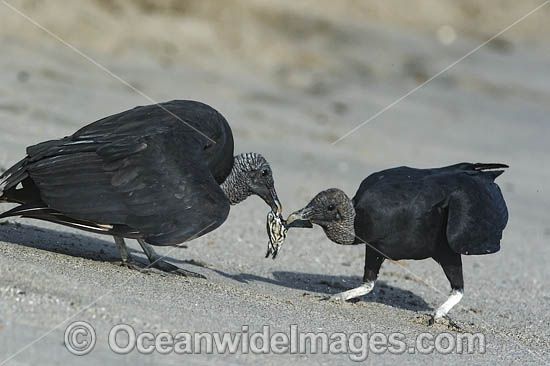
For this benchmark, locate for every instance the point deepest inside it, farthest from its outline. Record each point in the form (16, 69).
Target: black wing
(477, 214)
(405, 173)
(199, 124)
(143, 170)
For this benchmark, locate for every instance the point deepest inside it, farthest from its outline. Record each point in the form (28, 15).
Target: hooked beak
(275, 203)
(269, 195)
(301, 215)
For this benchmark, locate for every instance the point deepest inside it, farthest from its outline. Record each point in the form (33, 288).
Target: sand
(290, 80)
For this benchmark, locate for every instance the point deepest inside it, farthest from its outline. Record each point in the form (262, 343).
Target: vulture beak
(269, 195)
(301, 215)
(275, 203)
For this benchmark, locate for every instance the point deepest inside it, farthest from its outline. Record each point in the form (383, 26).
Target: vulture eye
(331, 207)
(265, 173)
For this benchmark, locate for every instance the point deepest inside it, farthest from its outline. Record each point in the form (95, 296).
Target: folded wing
(477, 214)
(147, 175)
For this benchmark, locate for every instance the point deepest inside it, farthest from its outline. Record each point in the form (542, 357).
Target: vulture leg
(364, 289)
(158, 263)
(452, 266)
(373, 262)
(126, 258)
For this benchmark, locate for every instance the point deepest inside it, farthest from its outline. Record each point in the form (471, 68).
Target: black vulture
(162, 174)
(407, 213)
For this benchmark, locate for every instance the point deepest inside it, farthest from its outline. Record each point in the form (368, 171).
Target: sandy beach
(291, 79)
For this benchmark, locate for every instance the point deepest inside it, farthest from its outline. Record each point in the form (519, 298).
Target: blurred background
(294, 76)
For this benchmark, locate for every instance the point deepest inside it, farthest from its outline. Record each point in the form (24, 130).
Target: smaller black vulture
(407, 213)
(163, 174)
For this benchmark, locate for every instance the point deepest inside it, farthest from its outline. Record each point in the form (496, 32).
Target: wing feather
(477, 215)
(142, 169)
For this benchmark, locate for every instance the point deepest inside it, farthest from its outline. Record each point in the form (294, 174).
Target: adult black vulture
(162, 174)
(407, 213)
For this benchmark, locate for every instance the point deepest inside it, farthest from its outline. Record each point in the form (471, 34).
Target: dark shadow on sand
(73, 244)
(89, 247)
(326, 284)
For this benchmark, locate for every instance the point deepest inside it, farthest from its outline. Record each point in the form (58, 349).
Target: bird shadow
(73, 244)
(89, 247)
(382, 293)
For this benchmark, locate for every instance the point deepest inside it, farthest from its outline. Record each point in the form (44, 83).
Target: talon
(338, 298)
(131, 265)
(175, 270)
(437, 319)
(442, 320)
(334, 298)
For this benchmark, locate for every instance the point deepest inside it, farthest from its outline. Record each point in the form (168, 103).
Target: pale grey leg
(440, 315)
(158, 263)
(364, 289)
(121, 245)
(454, 298)
(126, 258)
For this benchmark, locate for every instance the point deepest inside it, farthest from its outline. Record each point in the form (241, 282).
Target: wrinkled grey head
(251, 174)
(333, 211)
